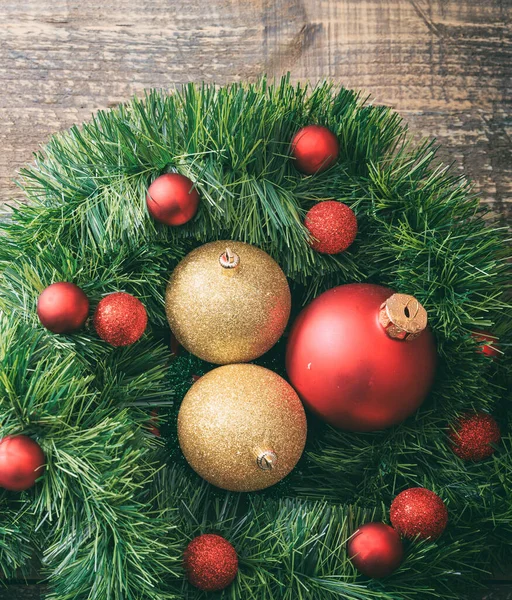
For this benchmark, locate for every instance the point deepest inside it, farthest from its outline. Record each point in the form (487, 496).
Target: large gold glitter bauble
(228, 302)
(242, 427)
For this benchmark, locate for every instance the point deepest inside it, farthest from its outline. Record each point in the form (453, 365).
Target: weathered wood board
(445, 65)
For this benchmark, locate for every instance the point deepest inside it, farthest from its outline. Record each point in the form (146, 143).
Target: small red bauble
(120, 319)
(418, 512)
(62, 307)
(315, 149)
(348, 370)
(488, 344)
(210, 562)
(473, 434)
(172, 199)
(375, 550)
(333, 226)
(21, 462)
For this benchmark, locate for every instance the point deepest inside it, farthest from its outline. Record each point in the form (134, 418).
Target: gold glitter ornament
(242, 427)
(228, 302)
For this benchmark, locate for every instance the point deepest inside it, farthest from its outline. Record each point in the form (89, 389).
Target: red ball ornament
(62, 307)
(120, 319)
(210, 562)
(488, 344)
(375, 550)
(473, 434)
(418, 512)
(333, 226)
(21, 462)
(361, 357)
(315, 149)
(172, 199)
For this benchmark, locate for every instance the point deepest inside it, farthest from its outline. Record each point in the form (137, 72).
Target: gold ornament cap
(229, 260)
(267, 460)
(403, 317)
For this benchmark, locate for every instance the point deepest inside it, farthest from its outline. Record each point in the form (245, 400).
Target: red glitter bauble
(210, 562)
(418, 512)
(346, 368)
(473, 434)
(315, 149)
(333, 226)
(375, 550)
(488, 344)
(120, 319)
(21, 462)
(172, 199)
(62, 307)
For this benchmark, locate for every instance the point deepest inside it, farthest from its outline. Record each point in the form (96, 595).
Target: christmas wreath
(313, 252)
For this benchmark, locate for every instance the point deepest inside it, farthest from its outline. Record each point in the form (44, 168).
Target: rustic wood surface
(444, 64)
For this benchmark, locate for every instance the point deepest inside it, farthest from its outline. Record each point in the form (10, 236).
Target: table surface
(445, 65)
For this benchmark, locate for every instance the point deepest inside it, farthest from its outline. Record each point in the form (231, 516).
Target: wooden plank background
(444, 64)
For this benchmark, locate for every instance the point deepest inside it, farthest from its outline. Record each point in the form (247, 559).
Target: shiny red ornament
(418, 512)
(172, 199)
(375, 550)
(120, 319)
(210, 562)
(333, 226)
(488, 344)
(62, 307)
(21, 462)
(315, 149)
(346, 368)
(473, 434)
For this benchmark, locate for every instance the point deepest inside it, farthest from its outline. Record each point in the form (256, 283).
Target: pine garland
(117, 505)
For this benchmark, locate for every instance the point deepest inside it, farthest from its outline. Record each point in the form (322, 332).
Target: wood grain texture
(444, 64)
(62, 60)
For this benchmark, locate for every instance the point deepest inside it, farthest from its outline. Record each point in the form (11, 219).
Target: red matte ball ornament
(361, 357)
(120, 319)
(418, 512)
(375, 550)
(332, 225)
(315, 149)
(172, 199)
(210, 562)
(21, 462)
(62, 307)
